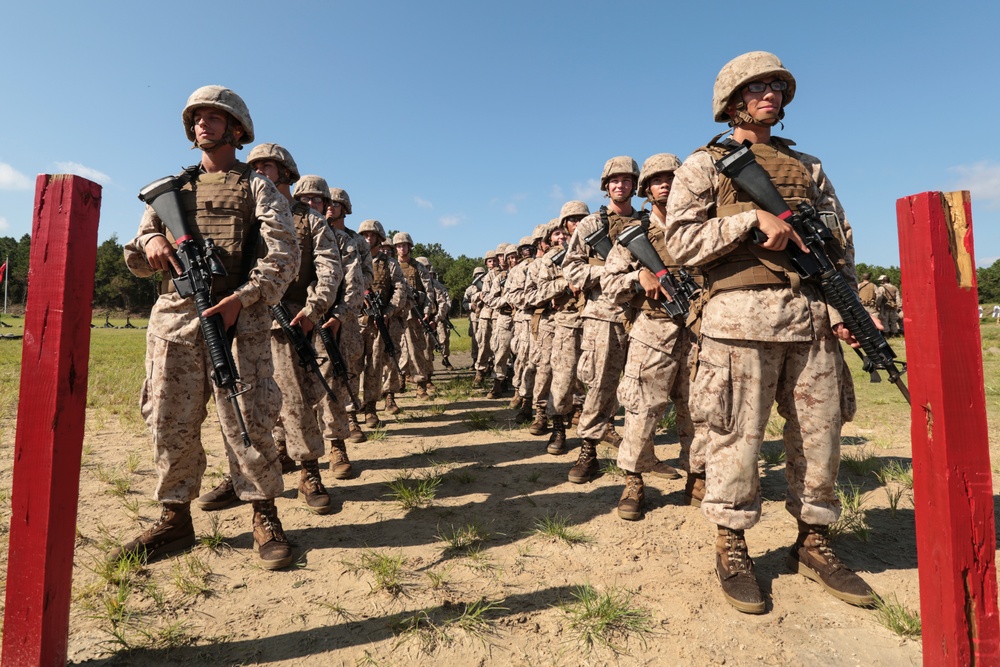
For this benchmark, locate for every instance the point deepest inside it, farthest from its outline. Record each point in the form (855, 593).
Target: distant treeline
(115, 288)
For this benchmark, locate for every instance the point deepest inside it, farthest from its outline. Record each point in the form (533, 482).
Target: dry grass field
(460, 542)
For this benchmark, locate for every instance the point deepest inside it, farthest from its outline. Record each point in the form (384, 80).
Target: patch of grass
(437, 408)
(463, 538)
(557, 527)
(336, 609)
(480, 561)
(668, 422)
(410, 491)
(439, 580)
(893, 495)
(852, 515)
(896, 472)
(535, 476)
(478, 421)
(608, 619)
(433, 633)
(897, 618)
(133, 462)
(457, 389)
(861, 462)
(428, 449)
(775, 427)
(464, 477)
(376, 434)
(385, 569)
(191, 576)
(772, 456)
(610, 467)
(215, 540)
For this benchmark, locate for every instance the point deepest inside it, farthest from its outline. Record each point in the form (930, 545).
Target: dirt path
(515, 587)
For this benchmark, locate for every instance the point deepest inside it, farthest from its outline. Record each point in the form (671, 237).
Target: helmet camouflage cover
(218, 97)
(622, 164)
(337, 194)
(310, 184)
(526, 240)
(661, 163)
(402, 237)
(538, 233)
(277, 153)
(478, 271)
(745, 69)
(372, 226)
(573, 208)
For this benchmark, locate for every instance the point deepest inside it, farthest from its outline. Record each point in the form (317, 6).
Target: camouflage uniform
(416, 363)
(604, 343)
(521, 339)
(887, 301)
(443, 312)
(867, 292)
(355, 251)
(177, 385)
(762, 344)
(549, 284)
(388, 283)
(313, 292)
(484, 327)
(503, 324)
(469, 303)
(657, 371)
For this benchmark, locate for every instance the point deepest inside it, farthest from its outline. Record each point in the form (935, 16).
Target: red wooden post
(952, 480)
(50, 419)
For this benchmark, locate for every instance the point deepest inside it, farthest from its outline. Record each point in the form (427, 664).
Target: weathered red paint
(952, 478)
(50, 420)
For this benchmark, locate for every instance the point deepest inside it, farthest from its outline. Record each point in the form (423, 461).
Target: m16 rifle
(337, 362)
(679, 292)
(374, 308)
(742, 167)
(199, 263)
(417, 307)
(308, 358)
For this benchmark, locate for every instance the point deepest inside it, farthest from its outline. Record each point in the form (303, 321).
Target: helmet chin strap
(741, 117)
(227, 139)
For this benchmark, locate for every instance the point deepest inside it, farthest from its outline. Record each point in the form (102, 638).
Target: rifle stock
(303, 348)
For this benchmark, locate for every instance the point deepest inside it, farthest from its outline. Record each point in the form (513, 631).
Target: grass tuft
(607, 619)
(386, 571)
(557, 527)
(898, 618)
(411, 492)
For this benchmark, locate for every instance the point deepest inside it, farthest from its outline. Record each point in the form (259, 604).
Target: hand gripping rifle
(308, 358)
(419, 314)
(741, 166)
(676, 302)
(199, 264)
(375, 310)
(337, 363)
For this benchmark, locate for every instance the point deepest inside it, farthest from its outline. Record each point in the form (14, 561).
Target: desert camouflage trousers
(473, 340)
(736, 384)
(503, 332)
(890, 320)
(414, 346)
(444, 337)
(333, 413)
(173, 403)
(301, 393)
(392, 381)
(566, 390)
(603, 349)
(373, 364)
(352, 347)
(524, 369)
(652, 379)
(484, 331)
(541, 355)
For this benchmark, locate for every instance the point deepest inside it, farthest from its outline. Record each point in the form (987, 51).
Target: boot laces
(736, 552)
(821, 543)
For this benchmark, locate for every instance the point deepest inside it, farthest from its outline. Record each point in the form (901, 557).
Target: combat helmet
(745, 69)
(550, 227)
(218, 97)
(538, 233)
(661, 163)
(423, 260)
(572, 208)
(336, 194)
(310, 184)
(490, 254)
(478, 271)
(526, 241)
(280, 155)
(402, 237)
(622, 164)
(372, 226)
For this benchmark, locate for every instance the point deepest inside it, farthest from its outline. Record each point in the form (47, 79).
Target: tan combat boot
(496, 390)
(524, 414)
(269, 541)
(574, 419)
(390, 404)
(173, 532)
(586, 467)
(371, 417)
(477, 381)
(287, 463)
(431, 389)
(540, 425)
(340, 465)
(735, 570)
(694, 488)
(665, 471)
(422, 391)
(557, 441)
(515, 401)
(813, 557)
(311, 488)
(611, 436)
(357, 435)
(222, 496)
(630, 504)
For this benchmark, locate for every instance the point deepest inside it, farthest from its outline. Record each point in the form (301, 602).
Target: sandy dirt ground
(216, 607)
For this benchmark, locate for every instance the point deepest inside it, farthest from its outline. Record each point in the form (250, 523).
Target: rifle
(374, 309)
(418, 313)
(451, 326)
(307, 354)
(676, 302)
(742, 167)
(199, 263)
(337, 363)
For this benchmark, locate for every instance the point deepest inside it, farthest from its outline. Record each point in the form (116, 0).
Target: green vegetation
(607, 619)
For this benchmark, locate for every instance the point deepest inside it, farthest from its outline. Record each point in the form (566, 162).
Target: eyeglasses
(759, 86)
(311, 198)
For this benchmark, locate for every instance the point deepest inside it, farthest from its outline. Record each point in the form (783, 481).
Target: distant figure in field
(887, 300)
(996, 313)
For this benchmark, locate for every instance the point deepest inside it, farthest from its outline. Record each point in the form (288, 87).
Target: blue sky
(469, 123)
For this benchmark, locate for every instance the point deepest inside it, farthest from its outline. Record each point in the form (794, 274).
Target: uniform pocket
(712, 393)
(630, 389)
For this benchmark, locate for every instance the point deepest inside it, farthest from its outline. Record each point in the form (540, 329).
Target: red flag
(3, 271)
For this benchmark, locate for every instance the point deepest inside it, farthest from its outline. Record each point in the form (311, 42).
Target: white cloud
(557, 194)
(982, 179)
(423, 203)
(450, 220)
(510, 208)
(12, 179)
(4, 225)
(86, 172)
(587, 191)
